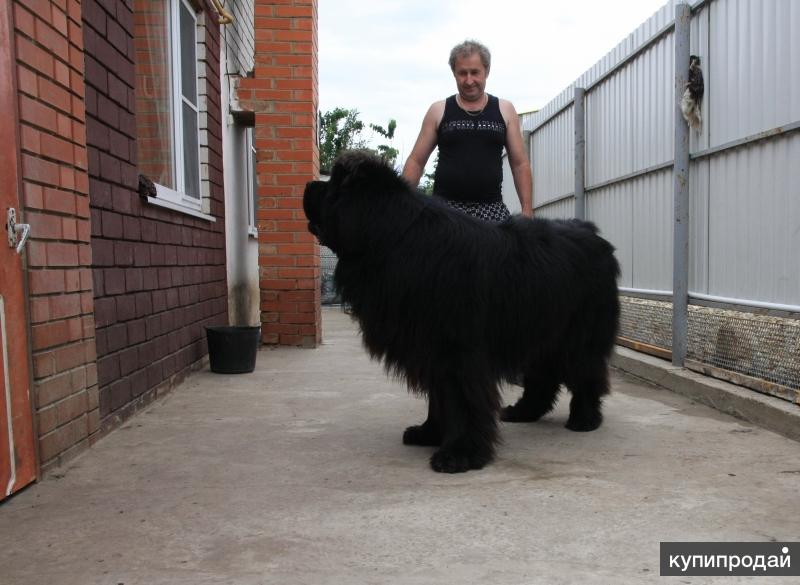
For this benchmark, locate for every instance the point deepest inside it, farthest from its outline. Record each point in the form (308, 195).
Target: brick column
(283, 93)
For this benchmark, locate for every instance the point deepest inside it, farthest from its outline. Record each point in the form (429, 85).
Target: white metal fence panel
(698, 226)
(563, 209)
(626, 111)
(553, 155)
(651, 104)
(610, 208)
(651, 238)
(754, 222)
(753, 67)
(609, 149)
(635, 216)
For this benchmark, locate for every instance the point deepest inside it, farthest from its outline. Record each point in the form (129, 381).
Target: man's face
(470, 77)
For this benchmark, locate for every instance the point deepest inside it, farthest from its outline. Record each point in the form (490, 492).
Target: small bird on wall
(693, 96)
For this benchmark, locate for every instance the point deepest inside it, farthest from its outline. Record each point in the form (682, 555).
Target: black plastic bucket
(233, 350)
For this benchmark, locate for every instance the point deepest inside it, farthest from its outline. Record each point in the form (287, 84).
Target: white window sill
(181, 208)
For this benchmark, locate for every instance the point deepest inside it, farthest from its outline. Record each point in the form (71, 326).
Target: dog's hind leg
(429, 433)
(541, 391)
(469, 425)
(588, 383)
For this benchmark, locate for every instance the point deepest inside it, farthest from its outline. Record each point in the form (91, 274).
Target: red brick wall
(49, 47)
(284, 95)
(159, 275)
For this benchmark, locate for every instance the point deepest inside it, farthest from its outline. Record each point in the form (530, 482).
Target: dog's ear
(348, 166)
(349, 161)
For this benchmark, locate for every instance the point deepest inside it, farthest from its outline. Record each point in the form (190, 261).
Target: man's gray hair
(466, 49)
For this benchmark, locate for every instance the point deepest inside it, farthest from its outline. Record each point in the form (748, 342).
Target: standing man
(471, 128)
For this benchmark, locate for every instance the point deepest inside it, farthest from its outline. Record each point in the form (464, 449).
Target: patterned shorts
(495, 211)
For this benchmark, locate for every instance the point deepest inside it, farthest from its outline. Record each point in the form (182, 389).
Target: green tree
(386, 151)
(339, 129)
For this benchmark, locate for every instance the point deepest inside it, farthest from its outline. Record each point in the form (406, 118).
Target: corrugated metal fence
(744, 184)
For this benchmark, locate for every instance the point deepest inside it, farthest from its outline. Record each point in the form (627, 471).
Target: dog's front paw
(584, 423)
(456, 461)
(517, 414)
(425, 435)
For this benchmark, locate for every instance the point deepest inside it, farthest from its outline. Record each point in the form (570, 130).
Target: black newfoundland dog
(454, 305)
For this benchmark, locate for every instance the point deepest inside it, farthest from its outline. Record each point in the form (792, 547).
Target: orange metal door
(17, 451)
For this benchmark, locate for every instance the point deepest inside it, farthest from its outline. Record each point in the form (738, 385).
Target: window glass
(191, 152)
(188, 54)
(154, 119)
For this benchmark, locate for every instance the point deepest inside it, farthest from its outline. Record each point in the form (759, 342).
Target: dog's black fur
(454, 305)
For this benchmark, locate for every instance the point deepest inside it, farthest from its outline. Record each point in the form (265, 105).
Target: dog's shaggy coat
(454, 305)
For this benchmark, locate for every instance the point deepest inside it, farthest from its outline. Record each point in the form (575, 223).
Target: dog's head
(341, 211)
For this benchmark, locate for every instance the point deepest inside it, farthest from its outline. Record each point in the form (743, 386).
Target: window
(252, 182)
(167, 102)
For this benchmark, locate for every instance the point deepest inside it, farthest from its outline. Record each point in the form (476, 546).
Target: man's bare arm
(426, 142)
(517, 158)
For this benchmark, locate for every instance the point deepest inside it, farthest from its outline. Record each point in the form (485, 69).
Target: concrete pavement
(296, 474)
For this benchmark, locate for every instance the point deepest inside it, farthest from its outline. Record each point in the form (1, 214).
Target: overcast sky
(388, 58)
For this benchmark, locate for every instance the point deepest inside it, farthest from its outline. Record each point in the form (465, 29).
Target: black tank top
(470, 164)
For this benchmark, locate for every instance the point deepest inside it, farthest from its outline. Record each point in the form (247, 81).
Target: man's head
(470, 62)
(470, 47)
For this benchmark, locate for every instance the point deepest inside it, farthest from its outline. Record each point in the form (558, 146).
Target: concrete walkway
(296, 475)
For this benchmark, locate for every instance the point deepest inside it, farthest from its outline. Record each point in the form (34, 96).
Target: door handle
(17, 232)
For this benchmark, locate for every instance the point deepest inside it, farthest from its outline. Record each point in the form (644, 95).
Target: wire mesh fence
(327, 267)
(763, 350)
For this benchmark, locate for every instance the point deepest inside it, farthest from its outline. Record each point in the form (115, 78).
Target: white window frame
(250, 179)
(177, 198)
